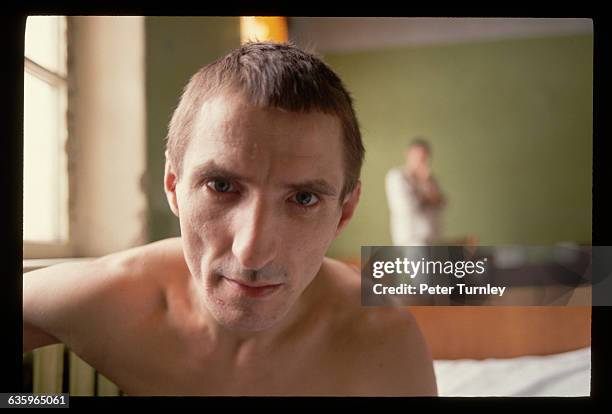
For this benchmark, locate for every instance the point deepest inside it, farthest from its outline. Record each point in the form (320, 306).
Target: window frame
(58, 79)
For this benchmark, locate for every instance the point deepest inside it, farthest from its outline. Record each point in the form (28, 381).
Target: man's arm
(402, 205)
(83, 302)
(54, 297)
(400, 201)
(34, 337)
(432, 194)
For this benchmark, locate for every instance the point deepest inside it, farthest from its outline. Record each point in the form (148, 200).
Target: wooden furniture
(473, 332)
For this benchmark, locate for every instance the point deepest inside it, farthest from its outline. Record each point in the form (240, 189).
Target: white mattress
(565, 374)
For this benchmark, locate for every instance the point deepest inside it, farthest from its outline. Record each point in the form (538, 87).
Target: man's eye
(306, 199)
(220, 186)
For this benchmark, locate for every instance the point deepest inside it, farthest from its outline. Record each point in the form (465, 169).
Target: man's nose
(256, 235)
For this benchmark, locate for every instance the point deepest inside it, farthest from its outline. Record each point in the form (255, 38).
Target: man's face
(417, 156)
(258, 205)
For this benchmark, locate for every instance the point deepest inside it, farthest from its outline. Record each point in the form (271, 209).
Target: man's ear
(170, 181)
(348, 207)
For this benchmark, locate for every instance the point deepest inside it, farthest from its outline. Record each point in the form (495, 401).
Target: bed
(566, 374)
(509, 351)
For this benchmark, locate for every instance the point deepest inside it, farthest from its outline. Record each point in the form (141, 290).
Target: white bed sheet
(565, 374)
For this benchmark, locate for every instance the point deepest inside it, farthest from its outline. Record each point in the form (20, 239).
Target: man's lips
(252, 290)
(253, 285)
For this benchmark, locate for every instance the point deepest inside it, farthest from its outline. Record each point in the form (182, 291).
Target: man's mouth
(252, 290)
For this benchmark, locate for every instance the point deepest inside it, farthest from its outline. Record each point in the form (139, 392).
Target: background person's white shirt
(412, 222)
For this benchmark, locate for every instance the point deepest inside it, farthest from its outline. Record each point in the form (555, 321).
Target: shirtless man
(262, 171)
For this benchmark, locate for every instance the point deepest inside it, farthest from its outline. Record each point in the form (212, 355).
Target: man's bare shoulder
(155, 261)
(340, 284)
(143, 275)
(392, 354)
(385, 344)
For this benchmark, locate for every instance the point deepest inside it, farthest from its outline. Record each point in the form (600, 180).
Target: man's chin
(246, 324)
(245, 319)
(247, 327)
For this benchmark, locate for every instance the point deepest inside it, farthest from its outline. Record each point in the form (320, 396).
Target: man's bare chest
(157, 359)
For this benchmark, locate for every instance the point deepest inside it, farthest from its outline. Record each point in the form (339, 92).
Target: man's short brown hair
(275, 75)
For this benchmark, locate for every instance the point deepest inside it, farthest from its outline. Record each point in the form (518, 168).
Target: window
(45, 175)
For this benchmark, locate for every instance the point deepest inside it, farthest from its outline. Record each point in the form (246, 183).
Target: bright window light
(45, 179)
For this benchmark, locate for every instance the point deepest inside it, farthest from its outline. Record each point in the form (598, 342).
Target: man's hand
(431, 194)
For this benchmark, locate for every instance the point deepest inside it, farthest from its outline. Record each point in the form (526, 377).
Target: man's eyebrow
(319, 186)
(212, 169)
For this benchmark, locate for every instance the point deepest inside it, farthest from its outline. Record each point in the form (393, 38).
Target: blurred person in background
(416, 202)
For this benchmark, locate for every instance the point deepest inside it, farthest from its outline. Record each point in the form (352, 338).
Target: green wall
(510, 123)
(176, 47)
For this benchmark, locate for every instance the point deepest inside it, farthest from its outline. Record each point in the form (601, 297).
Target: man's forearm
(432, 194)
(34, 337)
